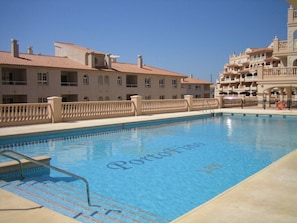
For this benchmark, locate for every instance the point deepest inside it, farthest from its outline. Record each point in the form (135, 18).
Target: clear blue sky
(186, 36)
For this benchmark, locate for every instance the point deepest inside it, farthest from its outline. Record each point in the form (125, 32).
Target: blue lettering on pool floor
(167, 152)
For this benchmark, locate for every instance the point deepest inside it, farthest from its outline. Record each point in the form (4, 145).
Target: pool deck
(268, 196)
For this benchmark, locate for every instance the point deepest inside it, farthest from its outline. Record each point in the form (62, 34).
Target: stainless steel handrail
(4, 153)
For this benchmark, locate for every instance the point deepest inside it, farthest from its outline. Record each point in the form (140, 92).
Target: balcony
(131, 81)
(68, 78)
(14, 76)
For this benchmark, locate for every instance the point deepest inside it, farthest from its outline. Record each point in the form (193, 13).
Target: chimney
(108, 61)
(140, 61)
(14, 48)
(30, 50)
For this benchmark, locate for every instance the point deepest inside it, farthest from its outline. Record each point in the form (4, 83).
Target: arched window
(106, 98)
(119, 80)
(100, 80)
(100, 98)
(106, 79)
(295, 63)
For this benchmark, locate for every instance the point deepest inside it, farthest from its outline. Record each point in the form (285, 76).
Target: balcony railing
(280, 72)
(68, 83)
(131, 85)
(11, 82)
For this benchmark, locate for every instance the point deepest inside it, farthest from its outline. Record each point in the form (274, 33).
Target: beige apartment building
(267, 74)
(80, 74)
(196, 87)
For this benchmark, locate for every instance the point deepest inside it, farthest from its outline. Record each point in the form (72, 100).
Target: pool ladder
(6, 153)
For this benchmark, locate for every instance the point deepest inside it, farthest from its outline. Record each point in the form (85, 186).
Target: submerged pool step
(71, 200)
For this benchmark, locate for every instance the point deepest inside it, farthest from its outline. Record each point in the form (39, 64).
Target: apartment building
(265, 73)
(80, 74)
(240, 77)
(196, 87)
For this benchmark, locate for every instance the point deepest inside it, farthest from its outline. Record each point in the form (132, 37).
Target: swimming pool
(168, 169)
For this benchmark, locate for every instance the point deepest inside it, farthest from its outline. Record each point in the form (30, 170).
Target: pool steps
(69, 199)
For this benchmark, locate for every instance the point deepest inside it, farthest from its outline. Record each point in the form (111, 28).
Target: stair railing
(5, 152)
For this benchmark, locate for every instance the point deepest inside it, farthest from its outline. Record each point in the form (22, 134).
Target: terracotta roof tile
(133, 68)
(272, 59)
(190, 80)
(63, 62)
(258, 50)
(84, 49)
(40, 61)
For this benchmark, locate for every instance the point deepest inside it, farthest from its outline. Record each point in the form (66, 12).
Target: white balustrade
(27, 113)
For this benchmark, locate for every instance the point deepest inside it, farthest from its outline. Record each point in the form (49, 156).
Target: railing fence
(57, 111)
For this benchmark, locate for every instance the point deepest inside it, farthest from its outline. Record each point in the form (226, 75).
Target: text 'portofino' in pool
(167, 152)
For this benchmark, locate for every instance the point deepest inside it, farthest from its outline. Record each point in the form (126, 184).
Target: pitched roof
(64, 62)
(258, 50)
(190, 80)
(40, 61)
(84, 49)
(133, 68)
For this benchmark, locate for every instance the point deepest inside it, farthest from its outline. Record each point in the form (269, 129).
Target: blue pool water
(169, 169)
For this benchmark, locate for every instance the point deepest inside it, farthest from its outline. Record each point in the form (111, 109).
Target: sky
(191, 37)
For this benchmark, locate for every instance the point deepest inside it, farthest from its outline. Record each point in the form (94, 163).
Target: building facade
(196, 87)
(266, 73)
(80, 74)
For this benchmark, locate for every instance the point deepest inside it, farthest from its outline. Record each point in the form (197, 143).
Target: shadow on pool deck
(268, 196)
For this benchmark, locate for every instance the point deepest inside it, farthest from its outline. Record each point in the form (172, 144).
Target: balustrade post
(137, 101)
(56, 108)
(221, 101)
(189, 99)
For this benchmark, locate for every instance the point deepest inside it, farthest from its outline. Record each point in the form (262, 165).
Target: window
(162, 97)
(131, 81)
(174, 97)
(86, 98)
(161, 83)
(119, 80)
(197, 87)
(174, 83)
(42, 100)
(42, 78)
(147, 82)
(86, 79)
(119, 98)
(100, 98)
(69, 78)
(147, 97)
(14, 76)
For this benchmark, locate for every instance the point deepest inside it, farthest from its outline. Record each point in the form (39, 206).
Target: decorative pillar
(137, 101)
(189, 99)
(221, 101)
(56, 108)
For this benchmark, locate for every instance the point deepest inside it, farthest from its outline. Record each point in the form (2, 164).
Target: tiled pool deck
(268, 196)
